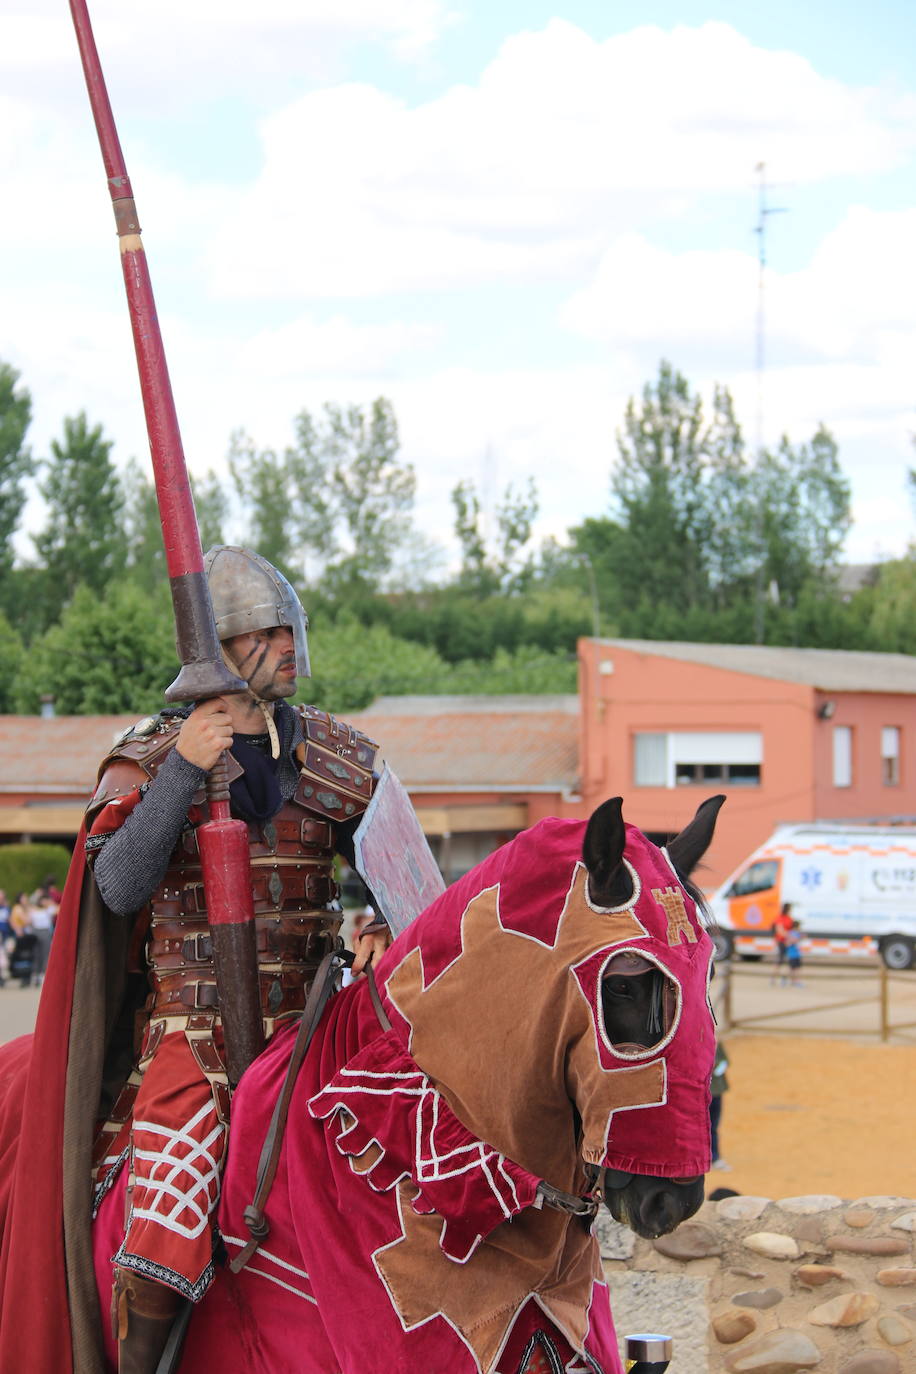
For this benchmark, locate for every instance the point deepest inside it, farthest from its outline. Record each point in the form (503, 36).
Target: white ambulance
(852, 887)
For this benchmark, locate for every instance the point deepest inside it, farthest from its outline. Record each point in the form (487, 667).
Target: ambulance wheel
(724, 943)
(897, 952)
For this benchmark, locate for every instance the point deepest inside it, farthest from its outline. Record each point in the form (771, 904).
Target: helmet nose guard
(248, 594)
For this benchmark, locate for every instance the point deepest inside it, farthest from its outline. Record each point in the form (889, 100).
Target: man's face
(267, 661)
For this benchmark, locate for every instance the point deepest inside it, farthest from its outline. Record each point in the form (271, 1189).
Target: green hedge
(23, 867)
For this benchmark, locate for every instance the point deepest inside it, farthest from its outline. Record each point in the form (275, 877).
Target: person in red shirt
(784, 923)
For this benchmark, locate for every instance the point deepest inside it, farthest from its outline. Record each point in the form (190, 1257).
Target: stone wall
(753, 1286)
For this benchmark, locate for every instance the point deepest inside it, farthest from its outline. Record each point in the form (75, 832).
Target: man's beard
(278, 686)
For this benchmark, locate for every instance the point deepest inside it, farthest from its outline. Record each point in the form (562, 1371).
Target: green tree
(12, 654)
(107, 655)
(892, 619)
(526, 670)
(658, 498)
(84, 540)
(371, 490)
(474, 566)
(211, 502)
(337, 502)
(729, 550)
(145, 549)
(499, 564)
(703, 542)
(801, 504)
(15, 460)
(263, 482)
(352, 664)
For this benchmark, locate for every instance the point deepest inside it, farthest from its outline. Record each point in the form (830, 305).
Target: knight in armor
(300, 780)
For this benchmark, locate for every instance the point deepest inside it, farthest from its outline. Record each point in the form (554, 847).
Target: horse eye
(637, 1008)
(617, 987)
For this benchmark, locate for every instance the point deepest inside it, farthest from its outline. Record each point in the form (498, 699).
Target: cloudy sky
(499, 214)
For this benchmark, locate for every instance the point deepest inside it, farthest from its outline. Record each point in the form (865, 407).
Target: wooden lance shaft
(204, 674)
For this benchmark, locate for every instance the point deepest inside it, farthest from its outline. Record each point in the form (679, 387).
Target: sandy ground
(818, 1115)
(803, 1114)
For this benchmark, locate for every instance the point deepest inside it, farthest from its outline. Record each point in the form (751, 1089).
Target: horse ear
(687, 848)
(609, 882)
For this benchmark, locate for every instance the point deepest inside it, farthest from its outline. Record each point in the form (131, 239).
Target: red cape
(49, 1095)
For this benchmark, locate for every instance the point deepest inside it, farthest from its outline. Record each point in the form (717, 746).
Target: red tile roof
(527, 743)
(433, 743)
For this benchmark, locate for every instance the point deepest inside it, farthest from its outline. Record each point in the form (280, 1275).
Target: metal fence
(757, 997)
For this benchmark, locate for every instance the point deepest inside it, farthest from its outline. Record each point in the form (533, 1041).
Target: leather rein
(319, 994)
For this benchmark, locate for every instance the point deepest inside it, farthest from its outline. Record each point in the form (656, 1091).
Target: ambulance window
(758, 878)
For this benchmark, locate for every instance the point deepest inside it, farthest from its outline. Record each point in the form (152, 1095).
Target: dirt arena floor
(812, 1115)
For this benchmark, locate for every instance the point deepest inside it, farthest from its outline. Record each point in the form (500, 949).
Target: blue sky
(500, 215)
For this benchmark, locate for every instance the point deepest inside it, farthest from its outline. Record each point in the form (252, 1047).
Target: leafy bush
(24, 867)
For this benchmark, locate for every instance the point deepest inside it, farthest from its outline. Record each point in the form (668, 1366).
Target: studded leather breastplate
(296, 913)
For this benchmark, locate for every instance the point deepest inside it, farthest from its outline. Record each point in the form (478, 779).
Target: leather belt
(305, 945)
(280, 993)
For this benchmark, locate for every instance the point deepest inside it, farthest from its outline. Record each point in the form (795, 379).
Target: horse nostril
(661, 1211)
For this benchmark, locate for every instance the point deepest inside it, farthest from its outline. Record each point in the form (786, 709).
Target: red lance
(223, 841)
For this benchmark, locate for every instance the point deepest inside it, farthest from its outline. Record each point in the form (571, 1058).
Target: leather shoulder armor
(336, 762)
(135, 758)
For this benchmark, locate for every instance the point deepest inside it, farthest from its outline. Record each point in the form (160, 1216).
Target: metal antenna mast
(763, 210)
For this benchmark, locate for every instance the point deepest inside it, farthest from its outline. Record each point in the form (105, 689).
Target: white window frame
(890, 755)
(842, 756)
(655, 764)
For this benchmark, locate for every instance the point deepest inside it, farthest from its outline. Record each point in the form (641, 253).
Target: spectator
(43, 914)
(6, 938)
(50, 887)
(794, 955)
(21, 915)
(718, 1087)
(780, 930)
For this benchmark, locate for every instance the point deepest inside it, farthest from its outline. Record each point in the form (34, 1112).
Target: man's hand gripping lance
(223, 841)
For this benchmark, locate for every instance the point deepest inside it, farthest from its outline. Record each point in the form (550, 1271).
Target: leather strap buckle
(197, 948)
(198, 995)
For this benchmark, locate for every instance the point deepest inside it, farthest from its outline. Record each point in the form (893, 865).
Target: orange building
(786, 734)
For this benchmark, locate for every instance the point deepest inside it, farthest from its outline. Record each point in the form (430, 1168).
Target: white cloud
(563, 140)
(570, 162)
(214, 40)
(334, 347)
(856, 298)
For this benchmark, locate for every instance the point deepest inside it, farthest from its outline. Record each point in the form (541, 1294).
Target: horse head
(638, 1004)
(558, 998)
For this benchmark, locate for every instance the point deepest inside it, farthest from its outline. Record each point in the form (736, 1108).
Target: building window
(651, 761)
(842, 756)
(890, 755)
(737, 774)
(698, 758)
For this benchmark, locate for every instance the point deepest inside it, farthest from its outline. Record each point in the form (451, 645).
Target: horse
(540, 1040)
(549, 1043)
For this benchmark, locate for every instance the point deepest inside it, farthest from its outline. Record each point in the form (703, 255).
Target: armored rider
(300, 780)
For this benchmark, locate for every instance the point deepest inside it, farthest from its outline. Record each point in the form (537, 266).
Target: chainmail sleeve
(132, 862)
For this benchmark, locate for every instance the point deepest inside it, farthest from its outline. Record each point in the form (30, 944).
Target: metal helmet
(249, 594)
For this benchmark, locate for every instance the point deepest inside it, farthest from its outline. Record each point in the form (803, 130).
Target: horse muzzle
(649, 1205)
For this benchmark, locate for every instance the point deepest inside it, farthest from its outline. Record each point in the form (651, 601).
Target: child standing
(794, 954)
